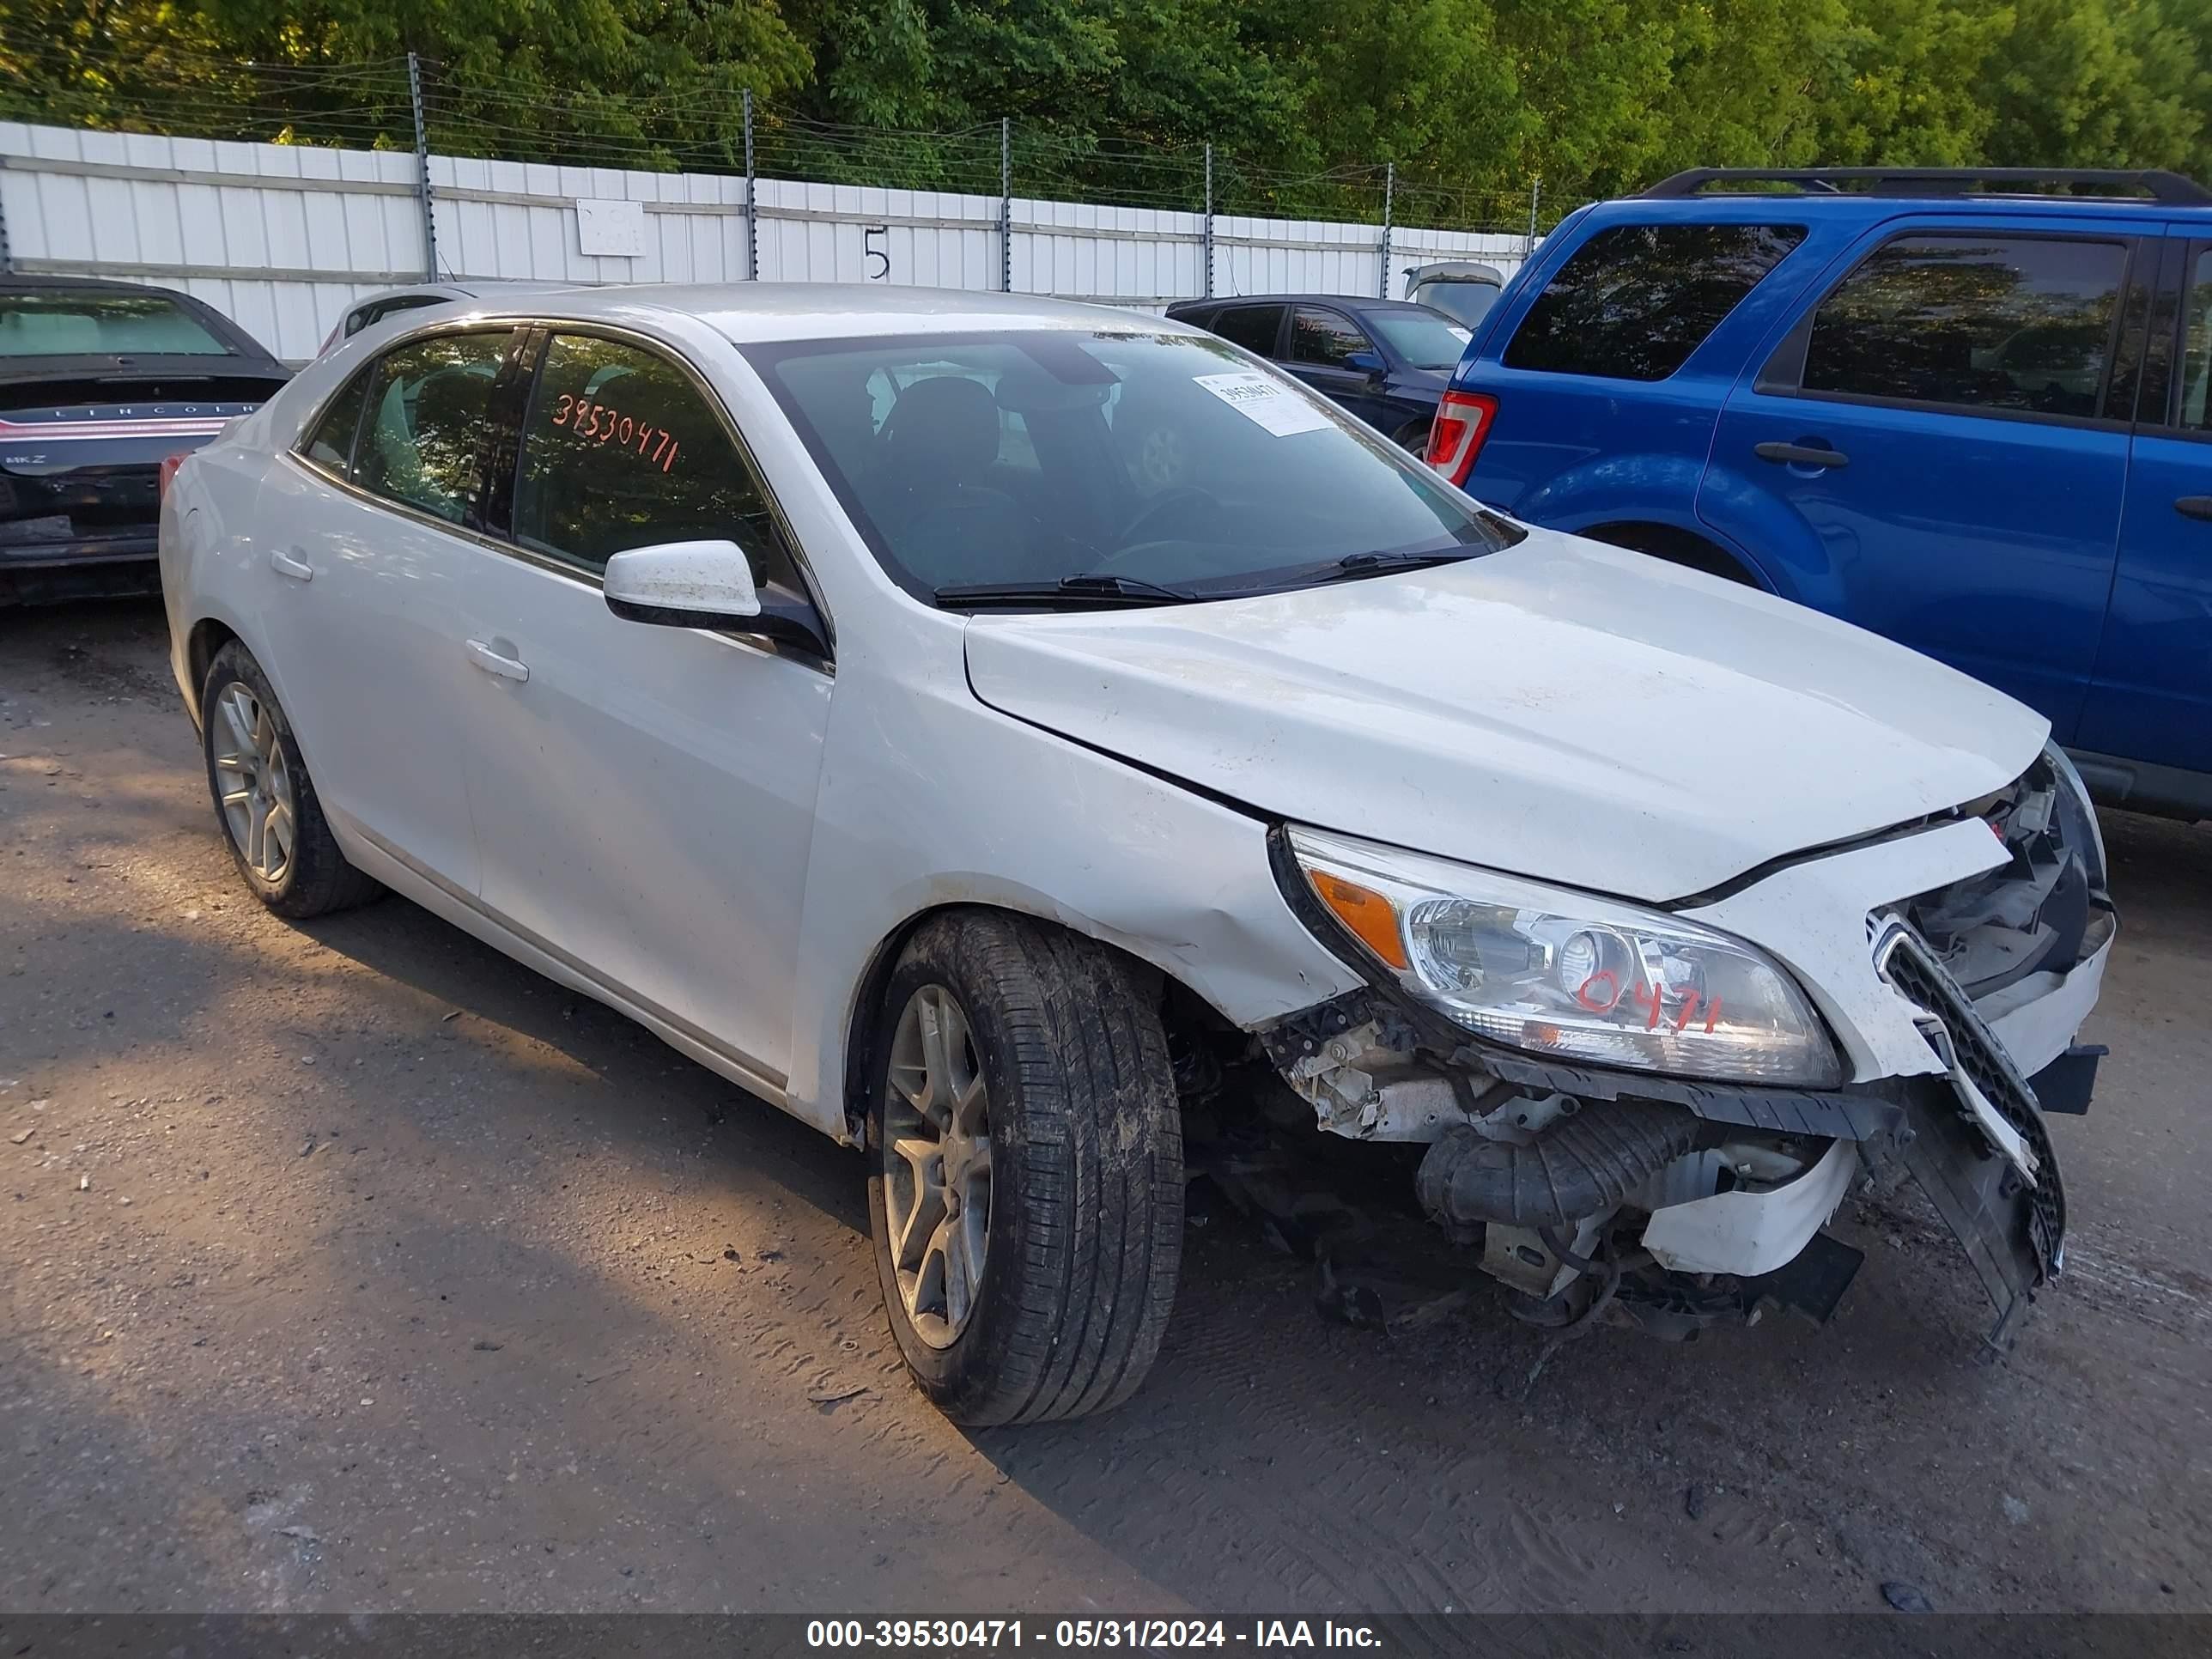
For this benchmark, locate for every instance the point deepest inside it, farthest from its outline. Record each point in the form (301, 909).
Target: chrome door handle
(507, 668)
(285, 565)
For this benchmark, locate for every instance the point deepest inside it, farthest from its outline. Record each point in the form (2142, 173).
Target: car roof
(1349, 302)
(755, 313)
(472, 287)
(22, 284)
(2008, 188)
(1457, 270)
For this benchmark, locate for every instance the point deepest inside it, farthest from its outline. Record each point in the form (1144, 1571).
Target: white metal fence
(282, 238)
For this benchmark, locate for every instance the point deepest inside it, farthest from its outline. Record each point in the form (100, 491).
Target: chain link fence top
(172, 89)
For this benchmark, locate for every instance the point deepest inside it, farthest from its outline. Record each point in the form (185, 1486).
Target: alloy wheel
(253, 783)
(937, 1165)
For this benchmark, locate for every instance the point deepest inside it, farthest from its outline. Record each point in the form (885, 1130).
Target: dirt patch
(318, 1297)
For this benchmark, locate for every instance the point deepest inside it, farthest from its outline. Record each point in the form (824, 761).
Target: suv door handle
(507, 668)
(2194, 507)
(1805, 454)
(285, 565)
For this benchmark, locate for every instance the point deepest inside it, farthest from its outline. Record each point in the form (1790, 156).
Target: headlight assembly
(1566, 974)
(2077, 815)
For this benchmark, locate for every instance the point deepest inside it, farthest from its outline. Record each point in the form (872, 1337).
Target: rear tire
(1056, 1071)
(264, 801)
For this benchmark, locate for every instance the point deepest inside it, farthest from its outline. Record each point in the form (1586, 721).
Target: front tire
(1017, 1073)
(264, 798)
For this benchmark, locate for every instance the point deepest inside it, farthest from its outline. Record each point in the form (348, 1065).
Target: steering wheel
(1168, 501)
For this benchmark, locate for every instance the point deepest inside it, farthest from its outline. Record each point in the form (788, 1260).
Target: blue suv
(1937, 403)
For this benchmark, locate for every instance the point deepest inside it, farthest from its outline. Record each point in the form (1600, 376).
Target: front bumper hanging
(1978, 1144)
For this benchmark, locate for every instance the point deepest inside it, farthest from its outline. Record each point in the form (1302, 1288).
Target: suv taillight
(1462, 421)
(169, 466)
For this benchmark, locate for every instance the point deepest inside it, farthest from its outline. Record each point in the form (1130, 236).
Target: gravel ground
(352, 1266)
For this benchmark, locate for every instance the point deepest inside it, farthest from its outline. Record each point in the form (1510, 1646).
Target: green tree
(1901, 83)
(1745, 82)
(2101, 83)
(1303, 101)
(526, 78)
(1593, 75)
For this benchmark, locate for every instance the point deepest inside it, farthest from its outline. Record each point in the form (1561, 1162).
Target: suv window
(2197, 348)
(622, 449)
(1324, 339)
(1254, 327)
(331, 444)
(1635, 300)
(427, 420)
(1977, 322)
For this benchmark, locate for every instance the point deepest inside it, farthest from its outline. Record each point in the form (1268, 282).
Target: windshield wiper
(1367, 564)
(1085, 587)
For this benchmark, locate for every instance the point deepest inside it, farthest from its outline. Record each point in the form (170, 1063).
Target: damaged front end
(1646, 1115)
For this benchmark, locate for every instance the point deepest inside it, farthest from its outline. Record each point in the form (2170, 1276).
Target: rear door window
(1325, 339)
(1256, 328)
(422, 440)
(331, 444)
(2022, 323)
(1635, 300)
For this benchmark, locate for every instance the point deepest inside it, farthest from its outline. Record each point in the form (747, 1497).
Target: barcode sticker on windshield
(1267, 401)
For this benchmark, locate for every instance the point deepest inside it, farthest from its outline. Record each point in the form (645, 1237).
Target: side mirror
(1367, 362)
(684, 585)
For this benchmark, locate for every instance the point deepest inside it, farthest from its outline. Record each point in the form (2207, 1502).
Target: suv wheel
(1026, 1193)
(263, 798)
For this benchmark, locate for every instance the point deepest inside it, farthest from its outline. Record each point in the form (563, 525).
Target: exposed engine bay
(1673, 1204)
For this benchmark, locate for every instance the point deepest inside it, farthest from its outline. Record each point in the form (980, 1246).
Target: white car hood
(1560, 709)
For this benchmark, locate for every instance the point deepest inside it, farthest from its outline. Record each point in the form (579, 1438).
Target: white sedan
(979, 725)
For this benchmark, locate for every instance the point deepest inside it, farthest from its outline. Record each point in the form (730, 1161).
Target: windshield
(63, 323)
(1426, 339)
(1033, 456)
(1468, 301)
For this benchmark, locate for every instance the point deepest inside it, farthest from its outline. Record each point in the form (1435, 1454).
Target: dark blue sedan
(1386, 361)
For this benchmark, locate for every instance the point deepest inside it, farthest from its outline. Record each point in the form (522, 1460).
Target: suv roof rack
(2160, 185)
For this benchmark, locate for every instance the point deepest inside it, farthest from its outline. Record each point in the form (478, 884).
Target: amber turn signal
(1366, 912)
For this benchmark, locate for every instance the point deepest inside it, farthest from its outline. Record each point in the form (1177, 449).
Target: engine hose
(1578, 1167)
(1581, 1264)
(1556, 1337)
(1604, 1264)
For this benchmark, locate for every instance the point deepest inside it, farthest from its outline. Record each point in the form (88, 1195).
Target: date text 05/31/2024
(1060, 1633)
